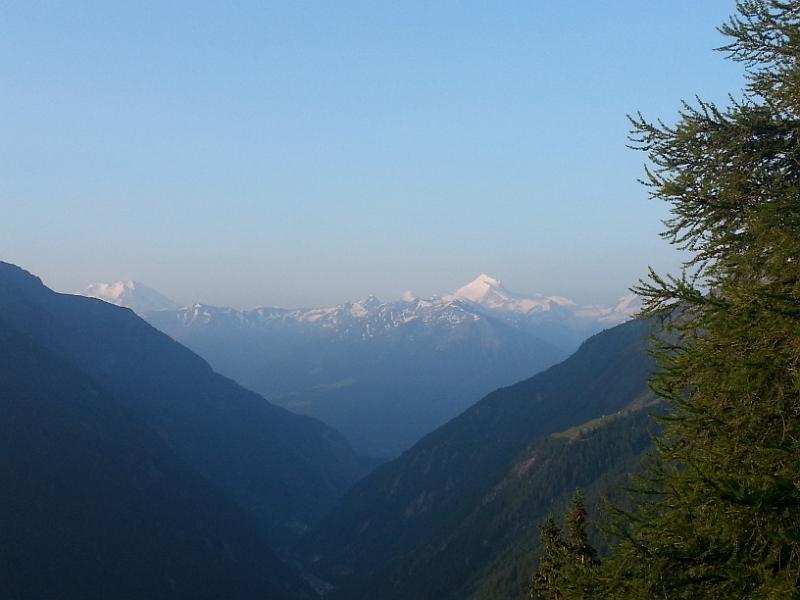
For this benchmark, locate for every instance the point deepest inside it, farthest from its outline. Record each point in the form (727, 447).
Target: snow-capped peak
(362, 308)
(112, 291)
(629, 304)
(625, 308)
(489, 292)
(131, 294)
(477, 289)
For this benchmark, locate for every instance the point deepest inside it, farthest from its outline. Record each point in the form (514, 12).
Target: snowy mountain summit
(131, 294)
(484, 296)
(489, 292)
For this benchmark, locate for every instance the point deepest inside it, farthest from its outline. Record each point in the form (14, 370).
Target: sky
(307, 153)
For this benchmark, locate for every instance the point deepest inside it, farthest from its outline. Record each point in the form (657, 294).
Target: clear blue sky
(304, 153)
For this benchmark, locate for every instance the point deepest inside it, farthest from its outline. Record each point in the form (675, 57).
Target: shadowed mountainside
(94, 505)
(286, 470)
(427, 524)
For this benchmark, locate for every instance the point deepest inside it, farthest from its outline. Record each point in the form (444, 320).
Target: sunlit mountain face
(384, 373)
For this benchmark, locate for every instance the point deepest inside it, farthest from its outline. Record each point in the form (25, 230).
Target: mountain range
(382, 373)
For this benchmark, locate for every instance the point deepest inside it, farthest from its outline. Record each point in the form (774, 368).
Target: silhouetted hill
(93, 505)
(286, 470)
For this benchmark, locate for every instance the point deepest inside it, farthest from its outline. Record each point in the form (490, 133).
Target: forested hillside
(432, 523)
(597, 458)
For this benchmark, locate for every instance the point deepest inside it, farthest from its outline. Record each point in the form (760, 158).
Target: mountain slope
(393, 528)
(500, 537)
(94, 505)
(285, 469)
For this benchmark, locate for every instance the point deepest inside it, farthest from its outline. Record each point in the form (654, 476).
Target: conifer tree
(580, 551)
(563, 559)
(718, 515)
(548, 580)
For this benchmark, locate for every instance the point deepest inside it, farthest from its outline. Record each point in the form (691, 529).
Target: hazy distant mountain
(624, 309)
(489, 292)
(285, 469)
(95, 505)
(371, 316)
(386, 373)
(455, 516)
(556, 319)
(131, 294)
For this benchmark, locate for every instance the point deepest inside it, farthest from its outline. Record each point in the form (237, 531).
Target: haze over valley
(382, 373)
